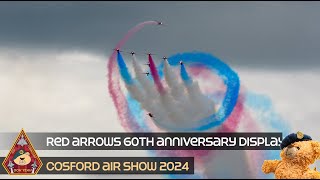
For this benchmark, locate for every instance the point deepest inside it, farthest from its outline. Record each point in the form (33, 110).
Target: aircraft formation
(148, 64)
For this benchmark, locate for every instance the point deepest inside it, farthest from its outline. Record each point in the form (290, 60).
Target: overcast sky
(258, 34)
(53, 58)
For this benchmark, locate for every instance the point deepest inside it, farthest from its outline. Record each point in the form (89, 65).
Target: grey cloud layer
(259, 34)
(67, 92)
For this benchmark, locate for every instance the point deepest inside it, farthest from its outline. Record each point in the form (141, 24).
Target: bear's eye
(298, 148)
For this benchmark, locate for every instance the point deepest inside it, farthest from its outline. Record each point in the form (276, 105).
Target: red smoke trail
(127, 120)
(155, 75)
(118, 97)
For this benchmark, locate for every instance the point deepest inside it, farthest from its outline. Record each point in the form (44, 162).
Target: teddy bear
(298, 152)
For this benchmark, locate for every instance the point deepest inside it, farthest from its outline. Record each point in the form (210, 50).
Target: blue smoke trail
(133, 105)
(135, 110)
(184, 75)
(124, 70)
(229, 77)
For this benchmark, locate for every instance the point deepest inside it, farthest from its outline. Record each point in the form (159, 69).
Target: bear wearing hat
(298, 152)
(22, 158)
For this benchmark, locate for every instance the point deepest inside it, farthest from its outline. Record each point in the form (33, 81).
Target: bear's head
(301, 152)
(22, 158)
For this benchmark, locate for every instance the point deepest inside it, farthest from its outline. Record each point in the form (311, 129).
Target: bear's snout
(291, 151)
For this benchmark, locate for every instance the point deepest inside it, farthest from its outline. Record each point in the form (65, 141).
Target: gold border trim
(22, 132)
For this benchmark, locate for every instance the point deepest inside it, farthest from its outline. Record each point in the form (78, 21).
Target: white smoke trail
(175, 85)
(203, 106)
(177, 90)
(182, 104)
(151, 99)
(146, 84)
(179, 94)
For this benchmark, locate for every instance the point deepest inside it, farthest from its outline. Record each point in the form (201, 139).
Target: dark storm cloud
(260, 34)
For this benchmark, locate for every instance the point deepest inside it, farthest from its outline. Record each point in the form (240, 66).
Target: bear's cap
(19, 153)
(294, 137)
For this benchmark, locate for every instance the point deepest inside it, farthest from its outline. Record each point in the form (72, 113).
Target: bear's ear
(316, 149)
